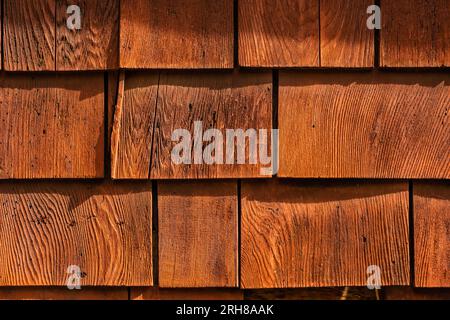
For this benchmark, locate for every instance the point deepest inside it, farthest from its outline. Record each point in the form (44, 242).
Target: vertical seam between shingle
(320, 35)
(155, 114)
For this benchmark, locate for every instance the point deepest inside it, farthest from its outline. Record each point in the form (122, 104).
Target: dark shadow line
(155, 234)
(153, 128)
(411, 232)
(239, 228)
(376, 35)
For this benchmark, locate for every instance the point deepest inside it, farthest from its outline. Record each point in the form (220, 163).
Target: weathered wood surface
(345, 40)
(150, 109)
(320, 234)
(29, 35)
(96, 45)
(179, 34)
(198, 234)
(365, 125)
(37, 38)
(415, 33)
(132, 130)
(51, 126)
(432, 234)
(103, 228)
(283, 33)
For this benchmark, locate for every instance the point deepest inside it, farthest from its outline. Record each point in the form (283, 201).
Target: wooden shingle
(103, 228)
(365, 125)
(29, 35)
(177, 34)
(345, 40)
(415, 33)
(96, 45)
(152, 109)
(37, 37)
(316, 234)
(432, 234)
(51, 126)
(283, 33)
(198, 234)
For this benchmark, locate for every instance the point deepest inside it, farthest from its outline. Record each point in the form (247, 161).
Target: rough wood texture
(150, 113)
(282, 33)
(415, 33)
(185, 294)
(432, 234)
(133, 125)
(29, 35)
(51, 126)
(176, 34)
(345, 40)
(57, 293)
(113, 89)
(317, 234)
(105, 229)
(227, 101)
(96, 45)
(198, 238)
(365, 125)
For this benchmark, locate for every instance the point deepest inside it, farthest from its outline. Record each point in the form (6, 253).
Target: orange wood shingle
(415, 33)
(198, 234)
(177, 34)
(316, 234)
(152, 109)
(37, 38)
(432, 234)
(29, 35)
(345, 40)
(103, 228)
(282, 33)
(96, 45)
(51, 126)
(364, 125)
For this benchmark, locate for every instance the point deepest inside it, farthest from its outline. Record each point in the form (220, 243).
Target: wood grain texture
(198, 234)
(176, 34)
(283, 33)
(113, 89)
(432, 234)
(51, 126)
(345, 40)
(29, 35)
(58, 293)
(415, 33)
(219, 101)
(365, 125)
(96, 45)
(133, 125)
(315, 234)
(154, 108)
(186, 294)
(103, 228)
